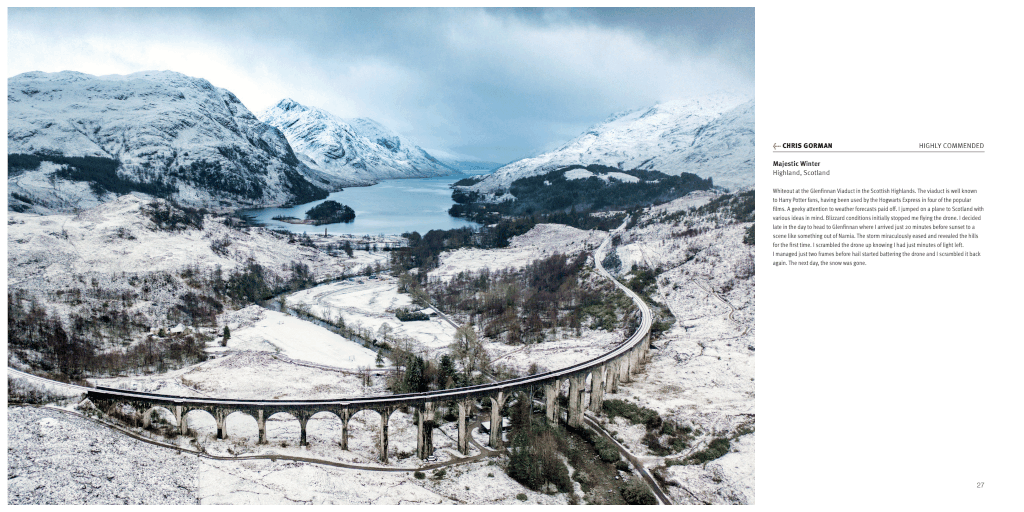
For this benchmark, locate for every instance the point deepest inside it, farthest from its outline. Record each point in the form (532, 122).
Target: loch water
(391, 207)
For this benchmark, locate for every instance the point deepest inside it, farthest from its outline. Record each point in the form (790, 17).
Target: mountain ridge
(356, 150)
(711, 136)
(159, 126)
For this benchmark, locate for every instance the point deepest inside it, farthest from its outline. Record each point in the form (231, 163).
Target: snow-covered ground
(701, 374)
(55, 459)
(540, 242)
(117, 248)
(582, 174)
(75, 263)
(251, 375)
(258, 329)
(702, 370)
(263, 482)
(59, 459)
(116, 238)
(552, 355)
(284, 482)
(727, 480)
(370, 303)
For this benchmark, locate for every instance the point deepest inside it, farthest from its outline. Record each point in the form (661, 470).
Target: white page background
(897, 384)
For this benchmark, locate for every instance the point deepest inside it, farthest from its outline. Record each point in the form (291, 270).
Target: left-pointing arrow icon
(775, 146)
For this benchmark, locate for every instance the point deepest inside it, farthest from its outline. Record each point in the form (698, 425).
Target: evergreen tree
(748, 238)
(330, 212)
(534, 459)
(635, 492)
(414, 375)
(446, 376)
(523, 465)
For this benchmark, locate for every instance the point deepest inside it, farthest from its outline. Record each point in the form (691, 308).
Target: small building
(506, 425)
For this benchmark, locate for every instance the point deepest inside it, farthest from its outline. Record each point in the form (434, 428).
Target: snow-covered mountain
(196, 141)
(711, 136)
(358, 150)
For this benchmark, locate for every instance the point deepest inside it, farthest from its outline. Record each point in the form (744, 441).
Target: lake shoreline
(391, 207)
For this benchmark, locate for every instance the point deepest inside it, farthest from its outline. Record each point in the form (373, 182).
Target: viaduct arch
(605, 372)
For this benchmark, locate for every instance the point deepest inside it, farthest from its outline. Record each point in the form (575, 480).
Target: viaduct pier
(592, 378)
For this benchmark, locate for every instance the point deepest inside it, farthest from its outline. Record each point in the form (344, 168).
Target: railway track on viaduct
(604, 373)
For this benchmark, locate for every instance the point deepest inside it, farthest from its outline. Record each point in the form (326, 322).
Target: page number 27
(981, 484)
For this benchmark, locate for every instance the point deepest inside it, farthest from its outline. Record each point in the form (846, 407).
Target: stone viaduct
(605, 372)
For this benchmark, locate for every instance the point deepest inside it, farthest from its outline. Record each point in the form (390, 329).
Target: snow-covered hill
(118, 248)
(161, 127)
(358, 150)
(711, 137)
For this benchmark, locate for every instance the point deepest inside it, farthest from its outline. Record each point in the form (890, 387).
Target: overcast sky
(497, 84)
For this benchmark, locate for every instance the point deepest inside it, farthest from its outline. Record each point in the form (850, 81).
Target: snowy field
(116, 248)
(290, 483)
(369, 303)
(727, 480)
(540, 242)
(582, 174)
(250, 375)
(552, 355)
(258, 329)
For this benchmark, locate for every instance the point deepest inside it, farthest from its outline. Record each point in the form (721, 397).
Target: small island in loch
(327, 212)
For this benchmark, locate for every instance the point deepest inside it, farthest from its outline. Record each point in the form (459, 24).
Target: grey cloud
(498, 84)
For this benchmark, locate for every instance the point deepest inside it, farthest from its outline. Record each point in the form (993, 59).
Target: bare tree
(745, 267)
(469, 350)
(365, 376)
(384, 332)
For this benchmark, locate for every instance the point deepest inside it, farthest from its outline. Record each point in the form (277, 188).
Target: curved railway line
(604, 372)
(641, 335)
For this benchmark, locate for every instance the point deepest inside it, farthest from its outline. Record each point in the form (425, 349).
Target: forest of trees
(102, 176)
(538, 454)
(416, 374)
(330, 212)
(526, 305)
(100, 173)
(70, 350)
(738, 206)
(406, 315)
(424, 251)
(170, 216)
(551, 193)
(100, 335)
